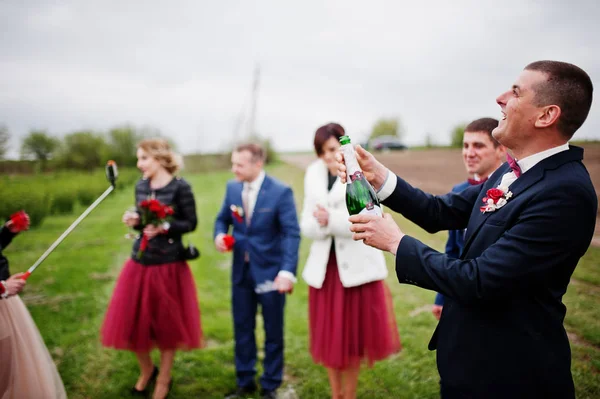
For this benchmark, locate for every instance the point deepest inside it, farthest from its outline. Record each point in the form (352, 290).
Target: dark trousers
(245, 303)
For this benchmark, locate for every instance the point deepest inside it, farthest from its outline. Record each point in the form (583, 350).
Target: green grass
(69, 293)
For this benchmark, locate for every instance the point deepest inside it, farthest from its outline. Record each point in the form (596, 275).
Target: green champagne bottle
(360, 196)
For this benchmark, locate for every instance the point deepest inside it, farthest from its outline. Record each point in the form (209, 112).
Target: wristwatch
(166, 226)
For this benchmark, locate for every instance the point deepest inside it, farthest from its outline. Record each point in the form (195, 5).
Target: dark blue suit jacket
(501, 333)
(456, 241)
(273, 236)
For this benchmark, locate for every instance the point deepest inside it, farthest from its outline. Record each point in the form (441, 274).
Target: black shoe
(241, 392)
(145, 391)
(264, 394)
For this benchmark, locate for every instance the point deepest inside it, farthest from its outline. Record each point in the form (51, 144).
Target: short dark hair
(486, 125)
(567, 86)
(255, 149)
(324, 133)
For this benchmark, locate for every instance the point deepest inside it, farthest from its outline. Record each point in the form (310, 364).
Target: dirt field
(437, 170)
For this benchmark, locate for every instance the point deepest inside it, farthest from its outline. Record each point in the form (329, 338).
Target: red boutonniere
(153, 212)
(237, 212)
(495, 198)
(18, 222)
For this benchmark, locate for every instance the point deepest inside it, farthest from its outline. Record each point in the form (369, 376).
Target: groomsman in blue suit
(262, 212)
(501, 334)
(482, 155)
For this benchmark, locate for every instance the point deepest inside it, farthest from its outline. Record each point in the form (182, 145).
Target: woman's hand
(15, 284)
(131, 219)
(152, 231)
(322, 215)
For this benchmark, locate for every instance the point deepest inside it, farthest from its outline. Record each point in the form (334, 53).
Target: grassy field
(68, 297)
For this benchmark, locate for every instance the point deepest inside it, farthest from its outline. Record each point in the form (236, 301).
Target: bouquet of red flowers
(18, 222)
(152, 212)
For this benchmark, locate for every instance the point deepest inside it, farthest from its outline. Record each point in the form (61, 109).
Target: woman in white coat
(350, 307)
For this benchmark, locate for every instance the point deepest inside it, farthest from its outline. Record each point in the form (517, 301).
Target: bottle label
(371, 209)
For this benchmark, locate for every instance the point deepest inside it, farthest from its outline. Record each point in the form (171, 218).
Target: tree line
(80, 150)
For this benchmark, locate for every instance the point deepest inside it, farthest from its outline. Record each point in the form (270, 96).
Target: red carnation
(229, 241)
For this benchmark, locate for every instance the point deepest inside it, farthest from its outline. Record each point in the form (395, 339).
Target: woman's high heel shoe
(144, 392)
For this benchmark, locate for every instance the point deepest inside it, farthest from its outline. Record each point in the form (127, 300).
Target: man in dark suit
(501, 333)
(482, 155)
(267, 236)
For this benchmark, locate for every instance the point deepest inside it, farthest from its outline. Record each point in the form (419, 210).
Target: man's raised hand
(374, 171)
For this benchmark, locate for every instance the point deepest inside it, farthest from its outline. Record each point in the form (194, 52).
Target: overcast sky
(186, 67)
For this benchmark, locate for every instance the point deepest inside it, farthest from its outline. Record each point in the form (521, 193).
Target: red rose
(155, 207)
(495, 194)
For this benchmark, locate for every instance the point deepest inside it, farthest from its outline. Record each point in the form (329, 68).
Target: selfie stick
(111, 175)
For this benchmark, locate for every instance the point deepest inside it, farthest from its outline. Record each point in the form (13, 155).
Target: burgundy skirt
(351, 325)
(153, 306)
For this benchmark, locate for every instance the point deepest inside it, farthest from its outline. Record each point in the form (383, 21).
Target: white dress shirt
(529, 162)
(254, 187)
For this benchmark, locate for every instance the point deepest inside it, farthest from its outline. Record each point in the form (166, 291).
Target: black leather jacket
(167, 248)
(5, 238)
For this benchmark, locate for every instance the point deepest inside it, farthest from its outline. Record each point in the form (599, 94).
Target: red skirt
(153, 306)
(351, 325)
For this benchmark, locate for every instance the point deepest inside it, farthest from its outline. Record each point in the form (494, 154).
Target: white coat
(357, 262)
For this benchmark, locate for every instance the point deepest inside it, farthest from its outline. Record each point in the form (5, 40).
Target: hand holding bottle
(374, 171)
(379, 232)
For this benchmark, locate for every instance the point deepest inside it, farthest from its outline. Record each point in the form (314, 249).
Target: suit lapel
(517, 189)
(477, 217)
(260, 198)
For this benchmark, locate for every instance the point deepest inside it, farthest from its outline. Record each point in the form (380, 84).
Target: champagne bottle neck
(351, 162)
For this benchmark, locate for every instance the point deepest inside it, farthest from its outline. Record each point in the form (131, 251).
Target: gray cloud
(186, 67)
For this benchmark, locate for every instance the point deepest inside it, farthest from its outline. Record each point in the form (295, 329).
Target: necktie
(246, 202)
(474, 182)
(513, 165)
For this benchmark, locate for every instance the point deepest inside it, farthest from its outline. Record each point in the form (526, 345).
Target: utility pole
(252, 121)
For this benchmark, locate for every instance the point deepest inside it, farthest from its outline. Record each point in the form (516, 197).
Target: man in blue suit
(482, 155)
(267, 236)
(501, 333)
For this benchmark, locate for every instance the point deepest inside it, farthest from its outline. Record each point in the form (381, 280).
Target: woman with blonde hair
(154, 303)
(350, 308)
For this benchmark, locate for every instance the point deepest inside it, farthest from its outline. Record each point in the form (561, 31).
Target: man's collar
(530, 161)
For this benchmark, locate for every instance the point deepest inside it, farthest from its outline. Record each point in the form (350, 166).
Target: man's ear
(548, 117)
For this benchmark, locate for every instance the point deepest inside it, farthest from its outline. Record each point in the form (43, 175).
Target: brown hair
(567, 86)
(160, 150)
(256, 150)
(326, 132)
(485, 125)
